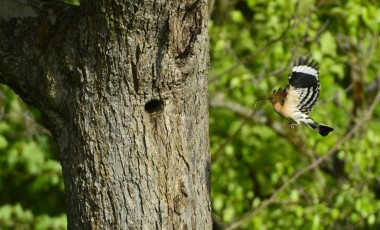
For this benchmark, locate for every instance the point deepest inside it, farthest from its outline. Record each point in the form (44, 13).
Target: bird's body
(297, 100)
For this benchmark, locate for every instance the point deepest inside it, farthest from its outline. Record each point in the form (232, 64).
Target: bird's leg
(293, 125)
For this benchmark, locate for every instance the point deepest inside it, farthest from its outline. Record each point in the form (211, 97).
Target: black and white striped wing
(304, 84)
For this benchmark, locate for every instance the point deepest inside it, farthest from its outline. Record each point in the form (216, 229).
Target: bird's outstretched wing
(303, 89)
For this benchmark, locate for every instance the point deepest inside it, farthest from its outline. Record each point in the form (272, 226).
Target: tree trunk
(122, 86)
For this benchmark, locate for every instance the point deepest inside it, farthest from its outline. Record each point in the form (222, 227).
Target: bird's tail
(324, 130)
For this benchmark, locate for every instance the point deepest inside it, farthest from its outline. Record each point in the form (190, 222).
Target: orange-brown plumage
(278, 101)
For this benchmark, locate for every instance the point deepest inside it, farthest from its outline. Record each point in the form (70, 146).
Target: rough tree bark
(122, 85)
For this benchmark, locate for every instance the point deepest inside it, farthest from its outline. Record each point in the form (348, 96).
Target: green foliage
(15, 217)
(31, 185)
(253, 44)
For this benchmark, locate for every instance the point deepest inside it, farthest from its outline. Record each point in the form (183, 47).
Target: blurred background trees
(264, 176)
(31, 183)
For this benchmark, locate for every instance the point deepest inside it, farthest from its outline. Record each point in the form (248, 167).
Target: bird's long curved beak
(262, 99)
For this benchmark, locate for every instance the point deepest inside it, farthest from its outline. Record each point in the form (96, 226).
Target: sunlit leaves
(15, 217)
(328, 45)
(30, 177)
(3, 142)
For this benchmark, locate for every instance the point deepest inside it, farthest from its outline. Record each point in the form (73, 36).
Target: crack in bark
(135, 77)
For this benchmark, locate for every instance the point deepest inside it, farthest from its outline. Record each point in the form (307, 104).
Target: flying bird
(296, 101)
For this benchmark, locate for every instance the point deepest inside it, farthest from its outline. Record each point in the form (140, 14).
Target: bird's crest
(280, 90)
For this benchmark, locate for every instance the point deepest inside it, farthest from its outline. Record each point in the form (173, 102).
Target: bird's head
(277, 96)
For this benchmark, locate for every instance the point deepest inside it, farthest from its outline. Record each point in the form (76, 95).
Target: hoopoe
(296, 101)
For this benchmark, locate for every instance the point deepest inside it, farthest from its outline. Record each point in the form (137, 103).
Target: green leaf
(328, 44)
(3, 142)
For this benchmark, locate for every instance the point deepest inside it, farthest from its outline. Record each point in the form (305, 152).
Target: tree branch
(28, 30)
